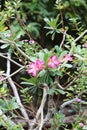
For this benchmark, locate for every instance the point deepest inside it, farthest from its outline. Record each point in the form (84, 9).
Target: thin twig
(16, 47)
(80, 36)
(68, 102)
(75, 40)
(17, 71)
(73, 100)
(10, 60)
(62, 42)
(68, 85)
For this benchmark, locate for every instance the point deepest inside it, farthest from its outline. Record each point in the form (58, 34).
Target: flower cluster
(67, 57)
(53, 62)
(34, 67)
(78, 100)
(81, 124)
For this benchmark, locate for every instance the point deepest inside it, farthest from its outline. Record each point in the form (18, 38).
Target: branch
(9, 76)
(13, 86)
(10, 60)
(40, 110)
(17, 48)
(80, 36)
(68, 102)
(68, 85)
(42, 102)
(62, 42)
(75, 40)
(51, 108)
(73, 100)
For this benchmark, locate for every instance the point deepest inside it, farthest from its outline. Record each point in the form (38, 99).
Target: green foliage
(33, 28)
(26, 96)
(53, 26)
(57, 121)
(9, 126)
(3, 90)
(6, 105)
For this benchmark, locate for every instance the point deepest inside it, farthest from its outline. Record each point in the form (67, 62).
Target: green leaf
(33, 59)
(67, 65)
(31, 81)
(46, 57)
(42, 73)
(41, 55)
(4, 85)
(4, 46)
(62, 54)
(13, 104)
(58, 49)
(51, 91)
(70, 88)
(60, 91)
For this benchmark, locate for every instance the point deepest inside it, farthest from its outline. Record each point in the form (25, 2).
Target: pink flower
(1, 78)
(53, 61)
(81, 124)
(78, 100)
(31, 41)
(67, 57)
(39, 64)
(34, 67)
(85, 45)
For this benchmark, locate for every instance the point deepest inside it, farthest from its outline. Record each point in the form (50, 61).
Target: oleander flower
(34, 67)
(39, 64)
(1, 78)
(78, 100)
(53, 61)
(31, 41)
(85, 45)
(81, 124)
(67, 57)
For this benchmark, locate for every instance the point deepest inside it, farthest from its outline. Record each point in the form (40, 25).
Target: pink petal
(29, 71)
(39, 64)
(34, 74)
(31, 41)
(85, 45)
(54, 57)
(51, 65)
(56, 62)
